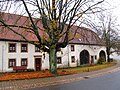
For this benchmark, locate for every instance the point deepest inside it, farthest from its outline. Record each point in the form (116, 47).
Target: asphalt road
(107, 82)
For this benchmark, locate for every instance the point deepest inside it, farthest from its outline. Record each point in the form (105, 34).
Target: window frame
(59, 60)
(26, 61)
(73, 57)
(36, 49)
(95, 57)
(59, 49)
(12, 51)
(23, 51)
(13, 60)
(72, 47)
(92, 59)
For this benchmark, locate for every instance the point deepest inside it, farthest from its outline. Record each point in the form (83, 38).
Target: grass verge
(88, 68)
(41, 74)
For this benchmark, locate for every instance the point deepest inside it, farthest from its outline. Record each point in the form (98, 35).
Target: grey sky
(114, 6)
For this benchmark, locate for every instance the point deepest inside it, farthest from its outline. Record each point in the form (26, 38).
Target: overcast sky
(114, 5)
(111, 5)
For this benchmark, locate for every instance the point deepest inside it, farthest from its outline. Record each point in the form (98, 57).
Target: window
(72, 48)
(12, 62)
(24, 47)
(73, 59)
(92, 59)
(59, 61)
(95, 56)
(37, 49)
(58, 49)
(12, 47)
(24, 62)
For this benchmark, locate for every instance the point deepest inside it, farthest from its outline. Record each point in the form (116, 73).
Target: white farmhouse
(85, 48)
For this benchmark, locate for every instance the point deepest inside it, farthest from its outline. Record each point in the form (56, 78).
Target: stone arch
(102, 55)
(84, 57)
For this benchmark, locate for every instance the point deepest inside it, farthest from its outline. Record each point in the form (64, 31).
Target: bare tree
(57, 18)
(108, 29)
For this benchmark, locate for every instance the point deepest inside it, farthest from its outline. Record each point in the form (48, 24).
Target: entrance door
(37, 64)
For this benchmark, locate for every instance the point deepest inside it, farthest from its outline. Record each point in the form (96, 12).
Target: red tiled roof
(17, 20)
(85, 36)
(82, 36)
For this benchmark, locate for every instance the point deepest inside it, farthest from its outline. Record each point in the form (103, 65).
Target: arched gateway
(102, 55)
(84, 57)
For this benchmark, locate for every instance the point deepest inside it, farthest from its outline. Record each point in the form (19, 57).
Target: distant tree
(108, 29)
(117, 46)
(57, 18)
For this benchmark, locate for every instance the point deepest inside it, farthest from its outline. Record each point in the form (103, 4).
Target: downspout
(68, 56)
(2, 56)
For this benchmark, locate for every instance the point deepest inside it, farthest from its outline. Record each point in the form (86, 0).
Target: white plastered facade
(65, 55)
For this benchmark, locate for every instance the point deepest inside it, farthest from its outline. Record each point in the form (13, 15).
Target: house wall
(30, 55)
(93, 51)
(65, 55)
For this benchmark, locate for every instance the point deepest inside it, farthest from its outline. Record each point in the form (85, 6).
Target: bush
(111, 59)
(101, 61)
(30, 70)
(63, 70)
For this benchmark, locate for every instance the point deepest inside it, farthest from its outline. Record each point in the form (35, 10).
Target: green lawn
(88, 68)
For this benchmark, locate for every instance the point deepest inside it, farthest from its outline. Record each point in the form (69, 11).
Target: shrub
(111, 59)
(101, 61)
(30, 70)
(63, 70)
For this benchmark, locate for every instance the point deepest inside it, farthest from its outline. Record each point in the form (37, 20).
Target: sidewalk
(40, 82)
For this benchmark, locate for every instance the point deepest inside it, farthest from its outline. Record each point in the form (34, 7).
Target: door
(37, 64)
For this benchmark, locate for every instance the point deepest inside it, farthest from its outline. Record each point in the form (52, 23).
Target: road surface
(109, 81)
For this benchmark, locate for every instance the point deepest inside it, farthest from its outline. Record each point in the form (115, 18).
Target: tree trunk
(108, 54)
(52, 59)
